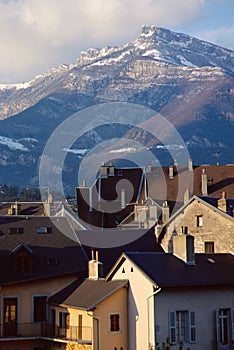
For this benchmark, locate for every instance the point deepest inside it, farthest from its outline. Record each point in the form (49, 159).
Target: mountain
(189, 81)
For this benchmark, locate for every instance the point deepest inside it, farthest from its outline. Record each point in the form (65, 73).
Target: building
(93, 310)
(36, 260)
(211, 225)
(183, 296)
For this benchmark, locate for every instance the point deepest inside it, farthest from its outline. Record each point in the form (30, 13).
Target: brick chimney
(183, 248)
(204, 183)
(95, 267)
(222, 202)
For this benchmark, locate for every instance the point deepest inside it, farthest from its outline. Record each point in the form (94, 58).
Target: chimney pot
(171, 172)
(190, 164)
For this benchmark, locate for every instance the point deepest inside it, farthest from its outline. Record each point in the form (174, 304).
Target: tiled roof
(161, 187)
(166, 270)
(88, 294)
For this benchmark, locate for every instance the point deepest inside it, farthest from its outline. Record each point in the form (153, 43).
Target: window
(44, 229)
(114, 322)
(64, 320)
(184, 229)
(225, 326)
(199, 219)
(16, 230)
(52, 261)
(39, 308)
(23, 264)
(182, 326)
(209, 247)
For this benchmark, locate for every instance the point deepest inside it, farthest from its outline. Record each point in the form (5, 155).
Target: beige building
(182, 296)
(93, 311)
(211, 226)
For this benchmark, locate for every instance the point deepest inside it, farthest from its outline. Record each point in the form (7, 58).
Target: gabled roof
(88, 294)
(20, 246)
(201, 200)
(166, 270)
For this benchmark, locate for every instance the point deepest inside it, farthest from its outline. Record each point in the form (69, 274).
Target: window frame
(175, 327)
(33, 308)
(199, 221)
(64, 319)
(209, 247)
(110, 322)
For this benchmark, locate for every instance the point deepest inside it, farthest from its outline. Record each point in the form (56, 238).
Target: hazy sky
(36, 35)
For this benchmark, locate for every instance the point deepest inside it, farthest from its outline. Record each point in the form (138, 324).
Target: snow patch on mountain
(12, 144)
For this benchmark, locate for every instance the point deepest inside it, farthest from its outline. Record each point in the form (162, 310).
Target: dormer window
(52, 261)
(44, 229)
(22, 259)
(16, 230)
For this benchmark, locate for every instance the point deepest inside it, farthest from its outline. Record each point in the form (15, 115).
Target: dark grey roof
(88, 294)
(53, 253)
(168, 271)
(141, 240)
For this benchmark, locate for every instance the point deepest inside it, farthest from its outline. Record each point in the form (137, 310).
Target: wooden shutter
(192, 327)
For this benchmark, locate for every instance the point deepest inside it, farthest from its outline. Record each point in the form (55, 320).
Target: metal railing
(46, 330)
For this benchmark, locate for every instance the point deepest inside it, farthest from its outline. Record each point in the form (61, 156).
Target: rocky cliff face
(187, 80)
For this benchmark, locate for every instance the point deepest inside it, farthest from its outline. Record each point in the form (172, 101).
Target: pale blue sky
(38, 35)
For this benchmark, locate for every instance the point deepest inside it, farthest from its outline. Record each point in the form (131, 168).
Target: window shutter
(172, 327)
(67, 321)
(217, 325)
(192, 327)
(232, 320)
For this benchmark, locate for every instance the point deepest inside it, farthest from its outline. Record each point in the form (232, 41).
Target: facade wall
(140, 307)
(215, 228)
(25, 292)
(115, 304)
(204, 301)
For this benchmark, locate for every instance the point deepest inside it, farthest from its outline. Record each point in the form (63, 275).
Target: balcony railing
(46, 330)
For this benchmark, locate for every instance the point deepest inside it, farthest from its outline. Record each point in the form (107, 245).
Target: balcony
(74, 334)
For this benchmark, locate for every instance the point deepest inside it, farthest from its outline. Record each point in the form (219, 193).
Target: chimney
(204, 183)
(183, 248)
(103, 171)
(222, 203)
(165, 212)
(123, 200)
(187, 195)
(95, 267)
(14, 209)
(47, 204)
(171, 171)
(148, 168)
(175, 163)
(157, 230)
(111, 169)
(190, 164)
